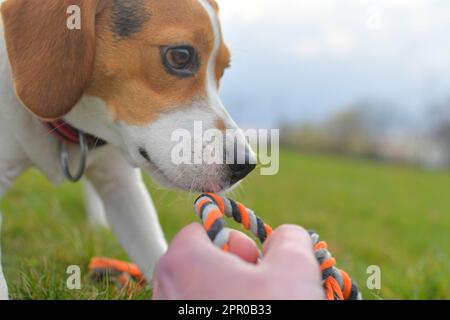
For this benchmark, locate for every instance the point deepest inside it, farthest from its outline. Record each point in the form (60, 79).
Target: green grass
(369, 213)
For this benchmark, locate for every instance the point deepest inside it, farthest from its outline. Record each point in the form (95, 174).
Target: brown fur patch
(220, 125)
(51, 64)
(222, 61)
(129, 75)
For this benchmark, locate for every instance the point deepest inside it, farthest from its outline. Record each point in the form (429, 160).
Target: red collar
(64, 132)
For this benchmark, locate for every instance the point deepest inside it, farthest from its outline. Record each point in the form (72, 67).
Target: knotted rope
(211, 208)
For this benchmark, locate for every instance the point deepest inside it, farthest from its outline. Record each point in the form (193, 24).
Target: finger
(288, 244)
(194, 238)
(191, 235)
(243, 246)
(158, 291)
(290, 259)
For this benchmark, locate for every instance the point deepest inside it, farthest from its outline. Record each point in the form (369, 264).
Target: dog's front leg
(9, 171)
(129, 210)
(94, 206)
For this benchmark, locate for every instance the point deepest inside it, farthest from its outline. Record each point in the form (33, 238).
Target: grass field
(370, 214)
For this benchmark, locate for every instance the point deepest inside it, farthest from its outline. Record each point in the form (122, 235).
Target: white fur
(212, 86)
(94, 206)
(115, 186)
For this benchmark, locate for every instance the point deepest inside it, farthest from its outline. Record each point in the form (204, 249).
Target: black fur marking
(128, 17)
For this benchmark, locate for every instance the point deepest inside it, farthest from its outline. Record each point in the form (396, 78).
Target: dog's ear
(51, 63)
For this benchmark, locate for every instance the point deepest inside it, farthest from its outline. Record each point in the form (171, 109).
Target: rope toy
(211, 209)
(120, 273)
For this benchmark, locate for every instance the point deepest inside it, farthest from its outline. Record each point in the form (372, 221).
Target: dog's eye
(178, 58)
(181, 61)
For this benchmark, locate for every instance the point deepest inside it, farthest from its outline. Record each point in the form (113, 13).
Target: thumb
(288, 245)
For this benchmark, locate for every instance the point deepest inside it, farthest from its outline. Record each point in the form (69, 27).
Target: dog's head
(131, 72)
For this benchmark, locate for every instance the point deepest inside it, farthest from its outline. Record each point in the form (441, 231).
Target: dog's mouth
(145, 155)
(197, 183)
(157, 172)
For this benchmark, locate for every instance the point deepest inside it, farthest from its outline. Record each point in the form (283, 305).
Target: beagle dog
(135, 71)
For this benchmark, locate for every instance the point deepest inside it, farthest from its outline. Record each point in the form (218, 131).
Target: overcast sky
(304, 59)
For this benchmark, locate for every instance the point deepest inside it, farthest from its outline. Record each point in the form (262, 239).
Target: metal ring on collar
(64, 159)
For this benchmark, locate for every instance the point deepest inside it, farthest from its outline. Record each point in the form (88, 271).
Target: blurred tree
(355, 130)
(347, 132)
(440, 128)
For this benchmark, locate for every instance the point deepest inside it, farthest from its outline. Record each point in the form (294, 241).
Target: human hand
(193, 268)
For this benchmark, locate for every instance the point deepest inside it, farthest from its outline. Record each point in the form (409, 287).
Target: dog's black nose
(240, 171)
